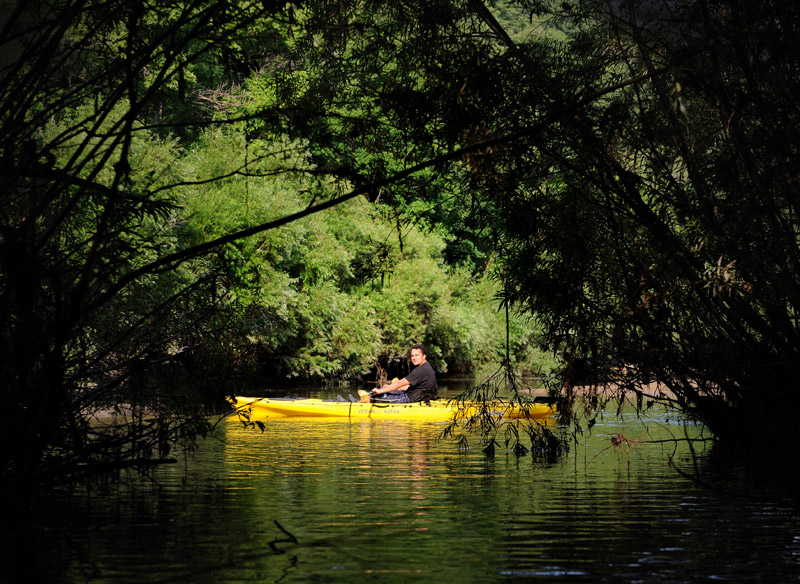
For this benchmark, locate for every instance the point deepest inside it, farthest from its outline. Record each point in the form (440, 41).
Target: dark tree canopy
(83, 291)
(661, 240)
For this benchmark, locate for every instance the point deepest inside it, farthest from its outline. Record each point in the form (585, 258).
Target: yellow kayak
(254, 408)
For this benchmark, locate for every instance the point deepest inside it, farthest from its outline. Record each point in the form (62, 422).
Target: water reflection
(337, 500)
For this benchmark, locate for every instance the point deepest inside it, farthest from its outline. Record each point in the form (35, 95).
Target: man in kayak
(418, 385)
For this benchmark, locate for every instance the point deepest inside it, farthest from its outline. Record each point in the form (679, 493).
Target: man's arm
(397, 384)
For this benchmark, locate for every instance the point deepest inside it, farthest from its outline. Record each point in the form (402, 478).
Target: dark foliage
(79, 231)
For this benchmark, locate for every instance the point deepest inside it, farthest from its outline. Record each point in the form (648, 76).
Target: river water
(386, 501)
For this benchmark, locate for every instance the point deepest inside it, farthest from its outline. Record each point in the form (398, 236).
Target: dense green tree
(161, 167)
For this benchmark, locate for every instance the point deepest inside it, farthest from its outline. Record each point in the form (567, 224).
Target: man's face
(417, 358)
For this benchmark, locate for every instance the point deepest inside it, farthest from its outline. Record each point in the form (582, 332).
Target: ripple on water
(342, 501)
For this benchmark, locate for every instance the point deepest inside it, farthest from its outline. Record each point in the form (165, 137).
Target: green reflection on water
(335, 500)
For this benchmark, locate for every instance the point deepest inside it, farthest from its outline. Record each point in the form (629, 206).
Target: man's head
(418, 355)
